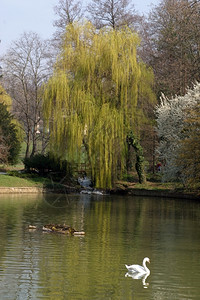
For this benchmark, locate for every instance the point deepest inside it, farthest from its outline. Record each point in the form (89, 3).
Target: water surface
(119, 230)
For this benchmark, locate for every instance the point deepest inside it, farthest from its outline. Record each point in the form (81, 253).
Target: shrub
(44, 164)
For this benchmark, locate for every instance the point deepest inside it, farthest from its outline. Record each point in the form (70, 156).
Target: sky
(19, 16)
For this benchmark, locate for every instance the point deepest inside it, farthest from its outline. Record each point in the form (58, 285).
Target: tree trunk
(34, 140)
(28, 142)
(139, 166)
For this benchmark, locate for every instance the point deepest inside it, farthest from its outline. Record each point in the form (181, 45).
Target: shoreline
(35, 190)
(160, 193)
(118, 191)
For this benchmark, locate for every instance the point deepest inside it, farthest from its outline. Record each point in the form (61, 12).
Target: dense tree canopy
(92, 98)
(4, 148)
(100, 93)
(9, 142)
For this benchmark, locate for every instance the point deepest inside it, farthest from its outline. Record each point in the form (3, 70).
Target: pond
(119, 230)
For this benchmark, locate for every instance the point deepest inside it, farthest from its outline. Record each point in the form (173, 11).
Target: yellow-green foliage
(92, 97)
(5, 98)
(19, 128)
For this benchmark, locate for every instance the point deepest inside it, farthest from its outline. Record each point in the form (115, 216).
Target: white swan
(139, 269)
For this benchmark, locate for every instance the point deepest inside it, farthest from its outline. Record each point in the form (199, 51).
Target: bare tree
(26, 68)
(114, 13)
(67, 11)
(172, 45)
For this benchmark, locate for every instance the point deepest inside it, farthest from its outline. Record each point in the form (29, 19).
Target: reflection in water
(51, 266)
(57, 200)
(139, 276)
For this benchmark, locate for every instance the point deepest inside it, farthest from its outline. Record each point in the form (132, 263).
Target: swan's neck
(145, 267)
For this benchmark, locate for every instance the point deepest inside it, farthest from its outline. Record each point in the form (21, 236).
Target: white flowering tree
(171, 117)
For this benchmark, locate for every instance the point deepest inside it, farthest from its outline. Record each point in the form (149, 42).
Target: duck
(139, 269)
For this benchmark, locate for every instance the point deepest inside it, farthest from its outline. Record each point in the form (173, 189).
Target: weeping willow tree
(91, 99)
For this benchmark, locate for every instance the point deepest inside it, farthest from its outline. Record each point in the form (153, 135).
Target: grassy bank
(128, 185)
(14, 178)
(13, 181)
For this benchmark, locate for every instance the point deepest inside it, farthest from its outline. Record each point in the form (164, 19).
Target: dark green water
(119, 230)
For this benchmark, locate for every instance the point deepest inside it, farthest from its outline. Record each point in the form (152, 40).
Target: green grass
(153, 186)
(147, 186)
(13, 181)
(29, 180)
